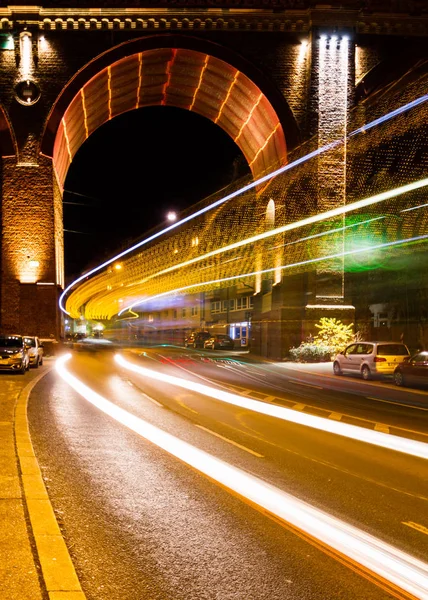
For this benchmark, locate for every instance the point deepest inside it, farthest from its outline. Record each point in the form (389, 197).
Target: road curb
(58, 571)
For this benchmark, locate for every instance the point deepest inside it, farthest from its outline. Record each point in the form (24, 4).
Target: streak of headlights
(386, 562)
(377, 438)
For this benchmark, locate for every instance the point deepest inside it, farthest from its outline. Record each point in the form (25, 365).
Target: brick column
(332, 88)
(31, 248)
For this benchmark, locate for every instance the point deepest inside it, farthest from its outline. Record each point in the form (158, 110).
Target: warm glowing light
(283, 267)
(265, 144)
(388, 563)
(118, 267)
(109, 92)
(250, 186)
(339, 211)
(33, 263)
(85, 116)
(26, 55)
(67, 141)
(171, 216)
(229, 91)
(168, 74)
(248, 119)
(140, 78)
(201, 77)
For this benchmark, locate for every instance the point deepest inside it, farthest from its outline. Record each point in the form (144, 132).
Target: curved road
(140, 523)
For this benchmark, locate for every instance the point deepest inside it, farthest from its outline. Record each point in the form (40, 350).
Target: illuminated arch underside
(182, 78)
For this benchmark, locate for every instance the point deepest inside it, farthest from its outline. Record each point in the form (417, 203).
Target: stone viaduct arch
(170, 70)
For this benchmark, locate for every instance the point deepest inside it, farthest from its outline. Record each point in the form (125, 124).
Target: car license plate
(4, 361)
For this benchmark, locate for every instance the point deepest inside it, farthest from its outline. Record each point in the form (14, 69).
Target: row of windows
(244, 303)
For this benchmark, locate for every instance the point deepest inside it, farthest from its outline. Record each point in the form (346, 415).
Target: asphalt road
(141, 524)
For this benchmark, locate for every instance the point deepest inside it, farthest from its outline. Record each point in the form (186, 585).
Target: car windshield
(392, 350)
(11, 341)
(30, 342)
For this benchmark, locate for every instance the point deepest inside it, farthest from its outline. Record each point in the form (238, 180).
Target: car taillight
(379, 359)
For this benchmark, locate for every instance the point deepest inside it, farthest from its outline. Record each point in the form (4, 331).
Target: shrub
(332, 337)
(334, 333)
(311, 352)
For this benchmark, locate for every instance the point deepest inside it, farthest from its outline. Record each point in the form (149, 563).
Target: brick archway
(170, 75)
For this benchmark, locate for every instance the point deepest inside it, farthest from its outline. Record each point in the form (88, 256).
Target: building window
(183, 312)
(244, 303)
(174, 314)
(194, 311)
(216, 307)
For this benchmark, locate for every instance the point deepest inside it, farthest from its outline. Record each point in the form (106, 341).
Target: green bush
(311, 352)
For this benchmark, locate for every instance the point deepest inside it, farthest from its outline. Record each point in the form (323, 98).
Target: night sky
(132, 171)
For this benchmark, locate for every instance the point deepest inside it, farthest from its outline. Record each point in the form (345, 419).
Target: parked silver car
(14, 353)
(370, 358)
(35, 350)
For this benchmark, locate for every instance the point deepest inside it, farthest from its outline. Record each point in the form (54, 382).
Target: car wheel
(366, 373)
(336, 368)
(36, 364)
(23, 369)
(41, 361)
(398, 378)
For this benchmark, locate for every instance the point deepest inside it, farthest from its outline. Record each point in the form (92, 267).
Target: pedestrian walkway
(19, 575)
(34, 560)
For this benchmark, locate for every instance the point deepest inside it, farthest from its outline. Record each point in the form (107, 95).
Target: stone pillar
(332, 87)
(32, 271)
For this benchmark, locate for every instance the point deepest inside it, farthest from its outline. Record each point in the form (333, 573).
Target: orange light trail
(201, 76)
(227, 96)
(265, 144)
(168, 71)
(140, 78)
(67, 141)
(248, 119)
(109, 91)
(85, 116)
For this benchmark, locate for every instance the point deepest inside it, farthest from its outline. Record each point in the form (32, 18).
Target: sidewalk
(19, 576)
(322, 368)
(34, 560)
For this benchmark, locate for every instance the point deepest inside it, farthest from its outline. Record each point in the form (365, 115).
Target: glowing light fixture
(171, 216)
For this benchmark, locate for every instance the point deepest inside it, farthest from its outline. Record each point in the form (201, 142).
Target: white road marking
(230, 441)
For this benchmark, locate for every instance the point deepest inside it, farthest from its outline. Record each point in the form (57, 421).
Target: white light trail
(242, 190)
(369, 436)
(389, 566)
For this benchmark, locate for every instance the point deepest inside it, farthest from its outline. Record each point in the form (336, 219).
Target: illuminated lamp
(27, 93)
